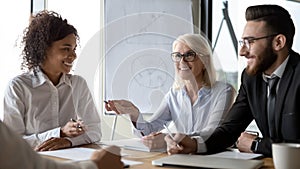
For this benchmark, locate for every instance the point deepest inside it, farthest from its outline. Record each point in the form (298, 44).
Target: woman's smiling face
(186, 69)
(60, 56)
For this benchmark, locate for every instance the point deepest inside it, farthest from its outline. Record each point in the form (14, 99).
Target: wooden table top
(147, 157)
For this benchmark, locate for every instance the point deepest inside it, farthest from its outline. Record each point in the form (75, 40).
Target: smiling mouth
(250, 59)
(184, 68)
(68, 64)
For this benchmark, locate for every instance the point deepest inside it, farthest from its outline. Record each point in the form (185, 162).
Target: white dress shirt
(16, 153)
(36, 109)
(277, 72)
(199, 119)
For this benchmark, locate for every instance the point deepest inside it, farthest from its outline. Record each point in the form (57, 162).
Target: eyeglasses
(187, 57)
(247, 41)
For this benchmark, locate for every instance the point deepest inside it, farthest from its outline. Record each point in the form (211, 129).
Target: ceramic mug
(286, 155)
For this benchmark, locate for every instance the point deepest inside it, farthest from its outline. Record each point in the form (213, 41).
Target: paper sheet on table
(204, 161)
(236, 155)
(80, 154)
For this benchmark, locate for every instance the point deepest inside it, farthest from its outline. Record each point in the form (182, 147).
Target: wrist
(62, 134)
(134, 117)
(195, 145)
(69, 141)
(255, 144)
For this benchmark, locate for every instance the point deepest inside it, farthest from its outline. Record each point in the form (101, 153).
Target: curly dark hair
(45, 28)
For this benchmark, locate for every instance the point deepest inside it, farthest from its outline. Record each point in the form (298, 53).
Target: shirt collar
(40, 78)
(202, 91)
(65, 79)
(278, 72)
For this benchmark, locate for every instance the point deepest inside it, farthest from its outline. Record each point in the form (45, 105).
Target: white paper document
(75, 154)
(80, 154)
(203, 161)
(236, 155)
(133, 144)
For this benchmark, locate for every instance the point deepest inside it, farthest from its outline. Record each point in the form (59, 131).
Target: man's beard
(265, 60)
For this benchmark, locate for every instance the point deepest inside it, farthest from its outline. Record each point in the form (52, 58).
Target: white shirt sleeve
(36, 139)
(16, 153)
(155, 124)
(201, 146)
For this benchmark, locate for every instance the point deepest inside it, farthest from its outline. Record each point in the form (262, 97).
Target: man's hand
(244, 142)
(108, 158)
(53, 144)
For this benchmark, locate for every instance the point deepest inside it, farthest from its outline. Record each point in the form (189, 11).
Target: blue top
(199, 119)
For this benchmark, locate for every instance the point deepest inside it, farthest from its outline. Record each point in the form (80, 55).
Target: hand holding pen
(187, 144)
(171, 136)
(73, 128)
(77, 125)
(123, 107)
(180, 143)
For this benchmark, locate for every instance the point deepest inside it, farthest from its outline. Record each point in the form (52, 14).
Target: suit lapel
(282, 92)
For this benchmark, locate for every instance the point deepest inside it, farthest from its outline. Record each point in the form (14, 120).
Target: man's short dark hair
(278, 20)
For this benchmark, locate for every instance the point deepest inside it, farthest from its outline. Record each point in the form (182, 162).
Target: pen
(157, 133)
(170, 134)
(151, 134)
(78, 125)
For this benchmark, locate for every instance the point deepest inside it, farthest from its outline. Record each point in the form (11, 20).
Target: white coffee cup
(286, 155)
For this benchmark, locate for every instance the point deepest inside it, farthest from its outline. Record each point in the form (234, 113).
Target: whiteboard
(138, 43)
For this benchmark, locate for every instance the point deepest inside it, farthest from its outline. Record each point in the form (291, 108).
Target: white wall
(14, 17)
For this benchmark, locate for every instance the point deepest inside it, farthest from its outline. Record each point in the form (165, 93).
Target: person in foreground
(16, 153)
(49, 107)
(197, 102)
(266, 44)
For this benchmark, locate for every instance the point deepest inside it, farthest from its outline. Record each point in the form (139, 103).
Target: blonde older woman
(196, 103)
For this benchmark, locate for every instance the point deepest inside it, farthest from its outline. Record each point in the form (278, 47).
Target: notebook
(133, 144)
(207, 162)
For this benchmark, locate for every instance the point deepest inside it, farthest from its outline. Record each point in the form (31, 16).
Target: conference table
(147, 157)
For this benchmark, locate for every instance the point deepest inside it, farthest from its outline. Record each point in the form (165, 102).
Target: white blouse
(199, 119)
(36, 109)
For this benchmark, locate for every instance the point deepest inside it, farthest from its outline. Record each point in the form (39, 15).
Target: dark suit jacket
(251, 104)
